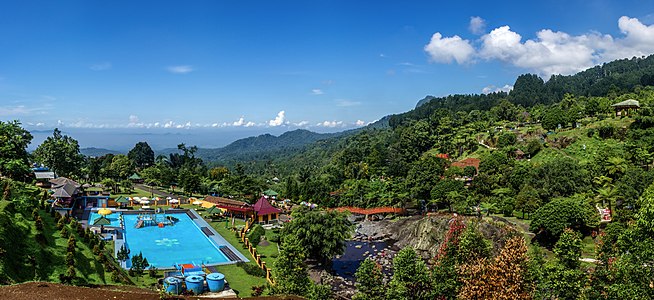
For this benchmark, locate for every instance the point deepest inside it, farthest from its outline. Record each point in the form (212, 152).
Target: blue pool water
(181, 243)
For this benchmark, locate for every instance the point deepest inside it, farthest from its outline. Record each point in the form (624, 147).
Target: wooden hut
(625, 107)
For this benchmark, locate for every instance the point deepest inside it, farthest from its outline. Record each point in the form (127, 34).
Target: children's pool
(183, 242)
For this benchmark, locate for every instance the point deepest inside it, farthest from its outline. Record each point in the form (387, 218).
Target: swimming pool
(164, 247)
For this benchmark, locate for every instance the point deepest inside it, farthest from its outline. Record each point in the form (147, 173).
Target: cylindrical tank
(216, 282)
(173, 285)
(195, 284)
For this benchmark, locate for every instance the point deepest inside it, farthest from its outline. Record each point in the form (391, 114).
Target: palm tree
(617, 165)
(606, 195)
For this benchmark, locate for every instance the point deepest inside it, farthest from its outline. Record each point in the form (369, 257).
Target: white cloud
(316, 92)
(446, 50)
(301, 123)
(360, 123)
(279, 120)
(250, 124)
(133, 119)
(331, 124)
(183, 69)
(101, 66)
(240, 122)
(346, 103)
(477, 25)
(550, 52)
(493, 89)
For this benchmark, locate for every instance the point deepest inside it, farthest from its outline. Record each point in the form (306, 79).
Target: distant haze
(125, 139)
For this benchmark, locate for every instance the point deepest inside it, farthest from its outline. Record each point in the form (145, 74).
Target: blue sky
(237, 68)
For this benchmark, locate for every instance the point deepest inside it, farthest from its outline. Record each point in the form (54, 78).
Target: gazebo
(122, 201)
(269, 193)
(625, 107)
(265, 212)
(136, 178)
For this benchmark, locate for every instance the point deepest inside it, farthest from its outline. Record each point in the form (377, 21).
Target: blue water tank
(173, 285)
(216, 282)
(195, 283)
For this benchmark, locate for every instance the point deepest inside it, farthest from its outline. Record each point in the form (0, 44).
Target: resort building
(232, 207)
(265, 212)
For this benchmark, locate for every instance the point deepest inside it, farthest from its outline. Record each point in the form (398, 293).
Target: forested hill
(610, 79)
(260, 147)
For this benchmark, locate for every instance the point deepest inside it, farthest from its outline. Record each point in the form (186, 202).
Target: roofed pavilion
(625, 107)
(265, 212)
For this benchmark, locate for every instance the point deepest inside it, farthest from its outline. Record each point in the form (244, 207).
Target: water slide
(139, 224)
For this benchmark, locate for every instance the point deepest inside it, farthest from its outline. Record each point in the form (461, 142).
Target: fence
(253, 250)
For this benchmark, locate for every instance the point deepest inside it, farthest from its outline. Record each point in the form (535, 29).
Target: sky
(111, 73)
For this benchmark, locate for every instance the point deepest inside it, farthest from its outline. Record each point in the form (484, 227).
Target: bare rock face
(424, 234)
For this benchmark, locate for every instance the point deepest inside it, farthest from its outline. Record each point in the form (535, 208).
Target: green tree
(14, 161)
(291, 272)
(322, 234)
(141, 155)
(121, 166)
(61, 154)
(139, 264)
(369, 281)
(123, 253)
(568, 248)
(424, 175)
(410, 277)
(527, 200)
(549, 221)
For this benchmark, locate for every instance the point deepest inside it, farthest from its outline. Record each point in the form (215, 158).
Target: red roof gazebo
(265, 212)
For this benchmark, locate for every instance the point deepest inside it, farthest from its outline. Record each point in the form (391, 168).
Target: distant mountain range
(97, 152)
(256, 147)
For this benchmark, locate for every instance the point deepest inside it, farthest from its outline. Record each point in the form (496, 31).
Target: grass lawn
(238, 279)
(135, 193)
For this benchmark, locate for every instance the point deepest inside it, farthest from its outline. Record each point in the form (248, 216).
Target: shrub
(115, 276)
(152, 272)
(255, 234)
(35, 213)
(70, 258)
(606, 131)
(38, 223)
(252, 269)
(64, 232)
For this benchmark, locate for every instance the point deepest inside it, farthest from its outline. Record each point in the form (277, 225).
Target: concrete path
(162, 194)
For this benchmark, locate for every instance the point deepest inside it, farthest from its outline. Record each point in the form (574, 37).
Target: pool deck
(235, 256)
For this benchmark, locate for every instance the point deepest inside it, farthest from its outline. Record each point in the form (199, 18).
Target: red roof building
(265, 211)
(234, 207)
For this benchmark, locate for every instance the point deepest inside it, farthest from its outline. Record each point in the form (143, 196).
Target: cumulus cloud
(330, 124)
(240, 122)
(360, 123)
(316, 92)
(550, 52)
(493, 89)
(448, 49)
(182, 69)
(101, 66)
(301, 123)
(279, 120)
(477, 25)
(133, 119)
